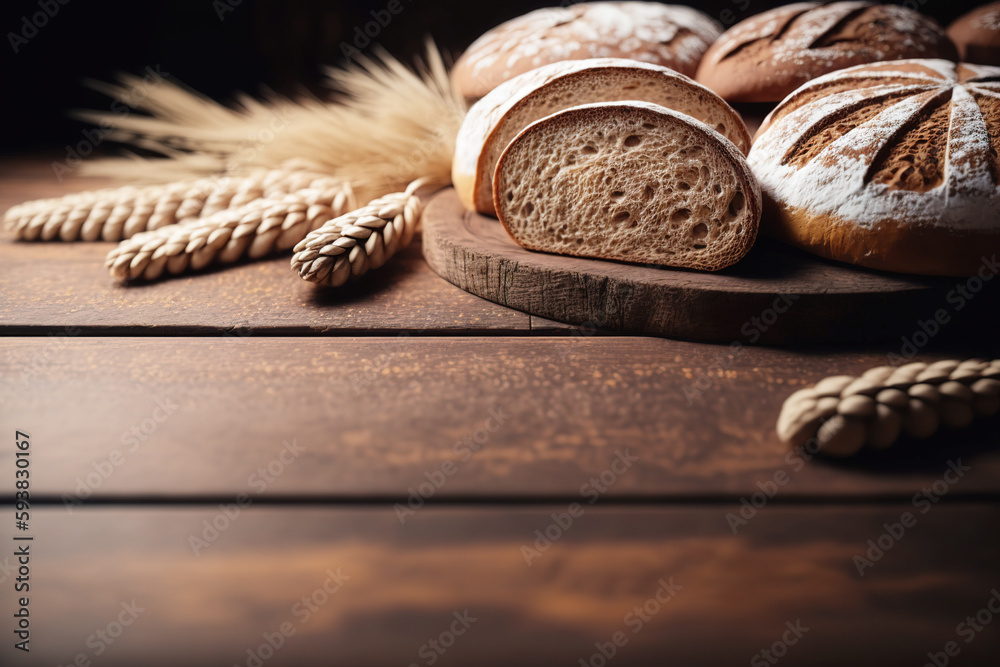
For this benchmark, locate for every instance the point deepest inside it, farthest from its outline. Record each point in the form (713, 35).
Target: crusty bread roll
(669, 35)
(977, 35)
(497, 118)
(767, 56)
(629, 181)
(892, 166)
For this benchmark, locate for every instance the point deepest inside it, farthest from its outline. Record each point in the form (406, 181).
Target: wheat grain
(114, 214)
(352, 244)
(258, 228)
(844, 412)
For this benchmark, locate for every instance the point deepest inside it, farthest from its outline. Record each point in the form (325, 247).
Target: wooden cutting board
(776, 295)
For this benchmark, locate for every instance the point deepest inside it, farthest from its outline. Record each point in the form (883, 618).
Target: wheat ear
(253, 230)
(352, 244)
(844, 412)
(114, 214)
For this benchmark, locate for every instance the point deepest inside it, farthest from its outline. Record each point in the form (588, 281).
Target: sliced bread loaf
(629, 181)
(497, 118)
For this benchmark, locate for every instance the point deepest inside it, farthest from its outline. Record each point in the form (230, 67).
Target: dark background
(222, 46)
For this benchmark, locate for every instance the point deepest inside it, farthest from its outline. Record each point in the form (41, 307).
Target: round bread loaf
(629, 181)
(892, 166)
(767, 56)
(977, 35)
(497, 118)
(669, 35)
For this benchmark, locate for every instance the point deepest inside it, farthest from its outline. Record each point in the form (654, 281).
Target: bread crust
(487, 127)
(890, 166)
(767, 56)
(977, 35)
(674, 36)
(598, 114)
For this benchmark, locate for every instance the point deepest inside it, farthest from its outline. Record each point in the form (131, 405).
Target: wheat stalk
(256, 229)
(844, 412)
(385, 125)
(113, 214)
(352, 244)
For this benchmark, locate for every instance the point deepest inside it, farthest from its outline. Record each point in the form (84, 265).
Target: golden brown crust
(891, 246)
(890, 166)
(673, 36)
(767, 56)
(977, 35)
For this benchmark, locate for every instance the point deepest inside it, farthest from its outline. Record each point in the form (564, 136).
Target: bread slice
(497, 118)
(630, 181)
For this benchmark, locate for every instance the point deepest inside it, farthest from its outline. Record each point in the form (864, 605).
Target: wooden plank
(380, 416)
(52, 287)
(401, 586)
(805, 298)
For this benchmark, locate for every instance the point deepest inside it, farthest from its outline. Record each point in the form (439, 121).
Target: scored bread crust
(891, 166)
(671, 35)
(497, 118)
(767, 56)
(977, 35)
(629, 181)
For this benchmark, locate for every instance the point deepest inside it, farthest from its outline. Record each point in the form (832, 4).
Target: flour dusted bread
(669, 35)
(977, 35)
(892, 166)
(767, 56)
(629, 181)
(501, 115)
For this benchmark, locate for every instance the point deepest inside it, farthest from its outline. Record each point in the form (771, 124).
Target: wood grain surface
(401, 586)
(799, 298)
(51, 287)
(379, 417)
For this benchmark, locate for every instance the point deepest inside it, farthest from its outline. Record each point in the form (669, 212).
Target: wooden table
(237, 468)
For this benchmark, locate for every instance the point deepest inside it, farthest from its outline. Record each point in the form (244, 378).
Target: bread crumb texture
(628, 181)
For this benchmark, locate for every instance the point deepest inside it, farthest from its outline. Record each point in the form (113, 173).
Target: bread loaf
(629, 181)
(892, 166)
(669, 35)
(767, 56)
(502, 114)
(977, 35)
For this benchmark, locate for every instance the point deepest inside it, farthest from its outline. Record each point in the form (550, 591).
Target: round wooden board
(776, 295)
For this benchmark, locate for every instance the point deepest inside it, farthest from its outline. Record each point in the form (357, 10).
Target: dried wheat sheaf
(256, 178)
